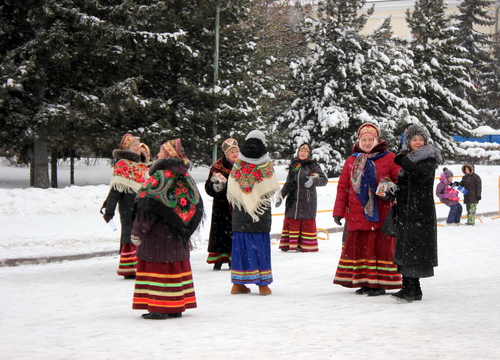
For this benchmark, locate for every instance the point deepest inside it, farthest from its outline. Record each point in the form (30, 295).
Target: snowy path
(82, 310)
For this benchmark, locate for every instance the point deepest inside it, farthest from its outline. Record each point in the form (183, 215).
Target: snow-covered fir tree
(489, 102)
(345, 80)
(474, 15)
(140, 66)
(280, 40)
(444, 81)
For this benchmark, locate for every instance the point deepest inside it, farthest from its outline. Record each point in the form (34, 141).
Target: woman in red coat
(366, 261)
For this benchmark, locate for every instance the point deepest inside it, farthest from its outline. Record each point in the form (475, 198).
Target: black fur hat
(416, 130)
(254, 146)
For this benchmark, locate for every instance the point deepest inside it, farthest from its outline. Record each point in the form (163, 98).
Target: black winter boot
(418, 290)
(410, 291)
(155, 316)
(401, 293)
(218, 265)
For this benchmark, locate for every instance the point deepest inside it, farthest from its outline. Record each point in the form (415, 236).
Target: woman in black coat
(416, 239)
(299, 226)
(129, 174)
(220, 240)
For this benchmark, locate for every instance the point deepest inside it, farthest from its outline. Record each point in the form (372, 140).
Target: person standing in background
(220, 239)
(299, 226)
(129, 174)
(251, 187)
(366, 261)
(416, 239)
(472, 183)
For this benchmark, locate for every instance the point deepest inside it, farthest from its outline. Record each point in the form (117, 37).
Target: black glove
(389, 197)
(107, 217)
(456, 183)
(278, 203)
(337, 219)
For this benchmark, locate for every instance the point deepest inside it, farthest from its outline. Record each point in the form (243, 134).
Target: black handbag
(390, 226)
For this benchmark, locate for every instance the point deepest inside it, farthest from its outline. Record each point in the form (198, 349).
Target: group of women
(161, 207)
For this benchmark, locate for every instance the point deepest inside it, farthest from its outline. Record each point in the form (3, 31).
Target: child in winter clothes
(472, 183)
(448, 195)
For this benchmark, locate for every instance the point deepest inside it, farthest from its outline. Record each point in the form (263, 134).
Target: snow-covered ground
(82, 309)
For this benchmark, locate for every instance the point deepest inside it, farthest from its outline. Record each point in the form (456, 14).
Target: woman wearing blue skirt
(251, 187)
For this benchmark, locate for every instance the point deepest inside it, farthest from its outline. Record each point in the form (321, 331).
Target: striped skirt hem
(164, 287)
(128, 260)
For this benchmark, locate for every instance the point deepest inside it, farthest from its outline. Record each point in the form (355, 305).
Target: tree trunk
(72, 170)
(40, 165)
(53, 169)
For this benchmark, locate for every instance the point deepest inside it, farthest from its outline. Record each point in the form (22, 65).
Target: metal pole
(216, 78)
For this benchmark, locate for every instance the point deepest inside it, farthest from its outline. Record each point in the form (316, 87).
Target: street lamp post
(216, 79)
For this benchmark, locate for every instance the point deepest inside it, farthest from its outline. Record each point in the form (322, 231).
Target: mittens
(136, 240)
(219, 186)
(107, 217)
(337, 219)
(309, 183)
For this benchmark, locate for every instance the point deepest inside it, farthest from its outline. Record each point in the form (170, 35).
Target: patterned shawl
(129, 173)
(364, 179)
(252, 187)
(172, 193)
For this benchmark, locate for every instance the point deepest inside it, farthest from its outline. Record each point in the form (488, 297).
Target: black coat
(301, 202)
(220, 240)
(416, 240)
(123, 199)
(125, 202)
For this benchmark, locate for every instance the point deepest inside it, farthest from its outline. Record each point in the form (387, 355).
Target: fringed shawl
(129, 173)
(252, 187)
(172, 193)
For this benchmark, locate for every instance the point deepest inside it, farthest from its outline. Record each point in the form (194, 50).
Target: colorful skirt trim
(164, 287)
(216, 257)
(251, 259)
(367, 260)
(299, 235)
(128, 260)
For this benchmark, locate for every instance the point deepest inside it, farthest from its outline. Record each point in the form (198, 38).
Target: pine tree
(442, 70)
(93, 70)
(475, 14)
(346, 80)
(489, 103)
(280, 40)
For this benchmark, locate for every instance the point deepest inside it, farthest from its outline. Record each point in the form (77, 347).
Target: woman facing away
(169, 210)
(251, 187)
(129, 174)
(299, 226)
(220, 239)
(416, 239)
(366, 261)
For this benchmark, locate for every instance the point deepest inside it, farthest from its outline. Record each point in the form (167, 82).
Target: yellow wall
(397, 11)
